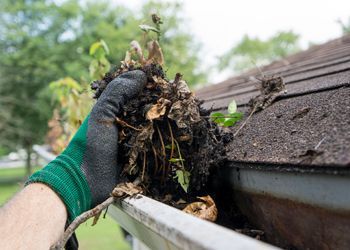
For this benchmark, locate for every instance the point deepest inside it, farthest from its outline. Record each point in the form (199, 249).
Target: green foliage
(183, 177)
(227, 120)
(74, 103)
(42, 41)
(181, 174)
(4, 151)
(31, 57)
(99, 65)
(250, 51)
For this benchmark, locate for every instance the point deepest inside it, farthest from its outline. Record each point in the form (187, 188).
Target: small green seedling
(183, 177)
(229, 119)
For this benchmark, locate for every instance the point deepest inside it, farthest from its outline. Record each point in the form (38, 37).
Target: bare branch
(79, 220)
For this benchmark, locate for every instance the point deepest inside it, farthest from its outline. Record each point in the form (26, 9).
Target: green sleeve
(65, 177)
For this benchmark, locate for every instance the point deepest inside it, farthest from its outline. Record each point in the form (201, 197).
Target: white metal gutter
(325, 190)
(161, 227)
(306, 207)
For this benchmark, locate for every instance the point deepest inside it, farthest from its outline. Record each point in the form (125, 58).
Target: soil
(181, 137)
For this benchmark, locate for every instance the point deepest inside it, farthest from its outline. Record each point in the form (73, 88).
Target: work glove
(86, 172)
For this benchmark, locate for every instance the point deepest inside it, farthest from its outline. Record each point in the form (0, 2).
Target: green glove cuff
(65, 177)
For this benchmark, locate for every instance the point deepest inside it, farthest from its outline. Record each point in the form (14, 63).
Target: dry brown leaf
(157, 110)
(127, 58)
(155, 53)
(126, 189)
(184, 113)
(163, 84)
(181, 201)
(183, 90)
(205, 209)
(137, 48)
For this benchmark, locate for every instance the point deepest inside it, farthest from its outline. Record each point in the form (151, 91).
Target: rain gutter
(159, 226)
(297, 206)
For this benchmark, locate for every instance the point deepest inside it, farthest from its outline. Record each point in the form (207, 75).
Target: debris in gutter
(309, 156)
(204, 209)
(270, 87)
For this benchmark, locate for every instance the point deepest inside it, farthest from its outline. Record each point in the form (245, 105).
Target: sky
(218, 25)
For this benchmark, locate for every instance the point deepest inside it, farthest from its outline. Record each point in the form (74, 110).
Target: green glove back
(85, 173)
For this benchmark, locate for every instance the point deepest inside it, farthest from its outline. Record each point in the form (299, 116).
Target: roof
(309, 125)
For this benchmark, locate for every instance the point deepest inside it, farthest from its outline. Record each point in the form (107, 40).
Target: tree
(254, 51)
(29, 42)
(43, 40)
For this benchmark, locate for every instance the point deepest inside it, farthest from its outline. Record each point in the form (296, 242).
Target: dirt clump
(165, 138)
(270, 88)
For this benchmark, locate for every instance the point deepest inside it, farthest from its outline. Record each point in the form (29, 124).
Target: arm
(33, 219)
(81, 177)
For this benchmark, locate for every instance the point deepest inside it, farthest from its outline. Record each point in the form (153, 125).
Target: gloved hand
(85, 173)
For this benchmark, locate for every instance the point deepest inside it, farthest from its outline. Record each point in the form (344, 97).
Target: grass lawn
(15, 172)
(105, 235)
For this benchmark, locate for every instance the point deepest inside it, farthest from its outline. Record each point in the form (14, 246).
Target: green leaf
(168, 147)
(105, 47)
(147, 28)
(218, 117)
(236, 115)
(94, 47)
(183, 177)
(232, 107)
(93, 69)
(229, 122)
(99, 49)
(105, 65)
(175, 160)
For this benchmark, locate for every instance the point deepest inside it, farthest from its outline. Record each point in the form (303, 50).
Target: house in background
(289, 166)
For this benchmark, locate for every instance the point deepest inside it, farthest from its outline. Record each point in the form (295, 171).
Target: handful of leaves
(165, 138)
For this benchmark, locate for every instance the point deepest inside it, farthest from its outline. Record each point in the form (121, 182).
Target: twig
(144, 166)
(125, 124)
(96, 218)
(319, 143)
(163, 147)
(172, 145)
(172, 140)
(180, 156)
(155, 159)
(79, 220)
(245, 122)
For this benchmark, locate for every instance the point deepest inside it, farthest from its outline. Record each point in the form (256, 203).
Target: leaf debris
(204, 209)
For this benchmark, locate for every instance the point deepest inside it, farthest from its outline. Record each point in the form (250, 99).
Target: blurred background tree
(345, 26)
(42, 41)
(250, 52)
